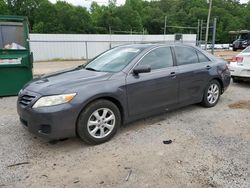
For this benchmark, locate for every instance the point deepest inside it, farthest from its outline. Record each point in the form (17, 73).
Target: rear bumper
(239, 71)
(53, 122)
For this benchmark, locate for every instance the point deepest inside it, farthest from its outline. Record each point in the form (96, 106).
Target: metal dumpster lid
(13, 18)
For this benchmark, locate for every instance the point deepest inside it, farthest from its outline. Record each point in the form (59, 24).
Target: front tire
(211, 94)
(98, 122)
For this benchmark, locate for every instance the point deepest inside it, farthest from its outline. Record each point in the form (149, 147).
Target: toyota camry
(121, 85)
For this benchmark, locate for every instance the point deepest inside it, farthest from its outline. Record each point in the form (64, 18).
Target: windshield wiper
(91, 69)
(79, 67)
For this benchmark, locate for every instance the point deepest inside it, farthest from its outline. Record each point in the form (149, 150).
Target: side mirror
(141, 69)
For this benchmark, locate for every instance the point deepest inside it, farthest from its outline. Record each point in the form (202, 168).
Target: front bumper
(52, 122)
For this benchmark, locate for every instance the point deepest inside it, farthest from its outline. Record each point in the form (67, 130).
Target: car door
(193, 67)
(157, 89)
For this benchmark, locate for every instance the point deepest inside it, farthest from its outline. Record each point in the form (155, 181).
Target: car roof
(152, 45)
(148, 46)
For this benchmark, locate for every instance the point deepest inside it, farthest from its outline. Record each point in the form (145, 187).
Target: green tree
(45, 19)
(4, 9)
(135, 15)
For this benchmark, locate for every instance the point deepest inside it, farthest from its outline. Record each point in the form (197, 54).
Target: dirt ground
(210, 148)
(226, 54)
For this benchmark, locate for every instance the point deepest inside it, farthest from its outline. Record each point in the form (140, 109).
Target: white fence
(72, 46)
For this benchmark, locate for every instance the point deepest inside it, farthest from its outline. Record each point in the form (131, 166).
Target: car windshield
(113, 60)
(245, 36)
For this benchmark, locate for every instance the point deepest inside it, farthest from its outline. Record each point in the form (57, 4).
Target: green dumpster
(16, 60)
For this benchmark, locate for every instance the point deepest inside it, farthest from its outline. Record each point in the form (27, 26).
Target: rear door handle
(208, 67)
(172, 75)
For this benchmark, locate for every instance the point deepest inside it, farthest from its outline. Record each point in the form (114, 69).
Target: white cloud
(87, 3)
(244, 1)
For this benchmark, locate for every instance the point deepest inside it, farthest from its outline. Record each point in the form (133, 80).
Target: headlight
(54, 100)
(244, 42)
(20, 91)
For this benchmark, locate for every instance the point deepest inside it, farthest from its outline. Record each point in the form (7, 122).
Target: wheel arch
(110, 98)
(116, 102)
(220, 82)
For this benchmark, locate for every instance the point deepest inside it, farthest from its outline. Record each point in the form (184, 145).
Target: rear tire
(98, 122)
(211, 94)
(235, 49)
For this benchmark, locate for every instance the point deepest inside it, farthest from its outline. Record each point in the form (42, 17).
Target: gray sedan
(121, 85)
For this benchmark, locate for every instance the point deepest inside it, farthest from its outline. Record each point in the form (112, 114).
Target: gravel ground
(210, 148)
(226, 54)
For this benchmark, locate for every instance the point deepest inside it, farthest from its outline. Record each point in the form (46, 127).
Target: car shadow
(245, 84)
(71, 144)
(157, 119)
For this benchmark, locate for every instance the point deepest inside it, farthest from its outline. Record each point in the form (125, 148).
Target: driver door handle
(172, 75)
(208, 67)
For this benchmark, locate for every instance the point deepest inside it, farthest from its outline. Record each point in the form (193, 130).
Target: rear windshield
(11, 36)
(247, 50)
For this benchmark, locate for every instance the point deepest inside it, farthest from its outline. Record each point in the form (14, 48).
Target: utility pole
(198, 33)
(201, 32)
(214, 34)
(208, 21)
(110, 31)
(110, 36)
(165, 25)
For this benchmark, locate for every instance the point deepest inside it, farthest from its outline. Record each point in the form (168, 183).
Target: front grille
(25, 100)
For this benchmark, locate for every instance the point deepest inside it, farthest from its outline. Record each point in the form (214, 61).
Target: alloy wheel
(101, 123)
(213, 93)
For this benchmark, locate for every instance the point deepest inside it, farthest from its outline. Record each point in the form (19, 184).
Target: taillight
(226, 68)
(238, 59)
(234, 59)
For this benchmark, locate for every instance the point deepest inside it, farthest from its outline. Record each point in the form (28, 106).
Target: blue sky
(87, 3)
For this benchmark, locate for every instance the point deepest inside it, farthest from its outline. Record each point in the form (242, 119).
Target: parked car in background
(240, 66)
(243, 40)
(119, 86)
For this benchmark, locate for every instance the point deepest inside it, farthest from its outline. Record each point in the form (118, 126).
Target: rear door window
(185, 55)
(202, 57)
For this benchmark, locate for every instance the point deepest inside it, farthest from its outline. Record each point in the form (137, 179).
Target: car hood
(60, 82)
(240, 40)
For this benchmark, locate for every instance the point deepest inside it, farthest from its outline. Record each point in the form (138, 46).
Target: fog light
(45, 129)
